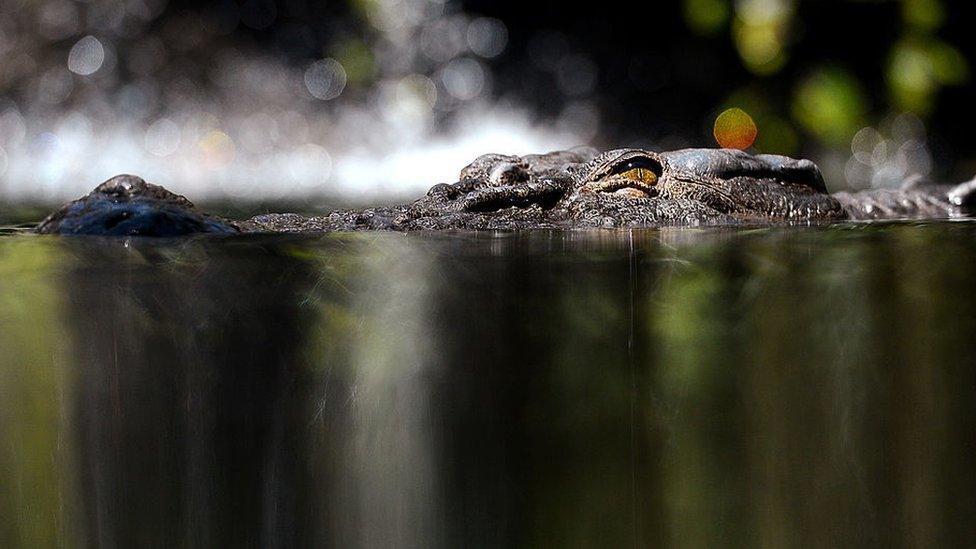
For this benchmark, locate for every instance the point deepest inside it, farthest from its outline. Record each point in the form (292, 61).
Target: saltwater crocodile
(578, 188)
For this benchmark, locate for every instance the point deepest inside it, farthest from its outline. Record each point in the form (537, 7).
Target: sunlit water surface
(696, 388)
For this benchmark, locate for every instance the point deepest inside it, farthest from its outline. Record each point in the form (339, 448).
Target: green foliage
(923, 14)
(918, 68)
(761, 30)
(829, 103)
(358, 61)
(706, 17)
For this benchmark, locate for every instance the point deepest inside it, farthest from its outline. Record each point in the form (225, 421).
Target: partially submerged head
(719, 182)
(627, 187)
(126, 205)
(571, 189)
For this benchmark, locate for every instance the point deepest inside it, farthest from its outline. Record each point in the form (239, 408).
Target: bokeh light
(325, 79)
(918, 68)
(830, 104)
(487, 37)
(464, 78)
(889, 153)
(735, 129)
(163, 137)
(243, 100)
(760, 31)
(706, 17)
(86, 56)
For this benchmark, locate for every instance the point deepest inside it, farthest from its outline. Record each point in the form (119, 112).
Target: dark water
(691, 388)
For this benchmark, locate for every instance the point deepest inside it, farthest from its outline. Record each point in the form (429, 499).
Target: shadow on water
(780, 387)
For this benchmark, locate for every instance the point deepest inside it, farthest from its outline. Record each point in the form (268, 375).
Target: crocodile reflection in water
(578, 188)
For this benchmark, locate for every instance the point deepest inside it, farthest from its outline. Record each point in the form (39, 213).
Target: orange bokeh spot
(734, 129)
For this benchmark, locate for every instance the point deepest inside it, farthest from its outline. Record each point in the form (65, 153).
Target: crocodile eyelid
(619, 161)
(635, 163)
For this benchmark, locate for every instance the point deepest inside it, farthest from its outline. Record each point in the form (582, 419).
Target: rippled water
(695, 388)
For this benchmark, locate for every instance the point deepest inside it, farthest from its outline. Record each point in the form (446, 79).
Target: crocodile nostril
(443, 190)
(507, 173)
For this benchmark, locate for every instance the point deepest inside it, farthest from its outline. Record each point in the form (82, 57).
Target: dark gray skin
(566, 189)
(127, 205)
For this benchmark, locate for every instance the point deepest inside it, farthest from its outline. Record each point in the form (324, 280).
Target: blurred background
(354, 101)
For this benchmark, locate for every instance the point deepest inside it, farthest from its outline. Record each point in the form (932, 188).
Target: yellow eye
(644, 175)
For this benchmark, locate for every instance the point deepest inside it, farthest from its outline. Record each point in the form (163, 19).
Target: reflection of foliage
(822, 382)
(695, 327)
(684, 388)
(32, 385)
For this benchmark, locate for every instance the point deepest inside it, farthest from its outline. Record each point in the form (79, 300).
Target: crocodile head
(632, 187)
(565, 189)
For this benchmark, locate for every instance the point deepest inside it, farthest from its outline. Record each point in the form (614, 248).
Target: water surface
(693, 388)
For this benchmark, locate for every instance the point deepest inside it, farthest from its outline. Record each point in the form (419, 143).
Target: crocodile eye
(633, 173)
(640, 169)
(644, 175)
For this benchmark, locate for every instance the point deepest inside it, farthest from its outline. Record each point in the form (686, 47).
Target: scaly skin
(565, 189)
